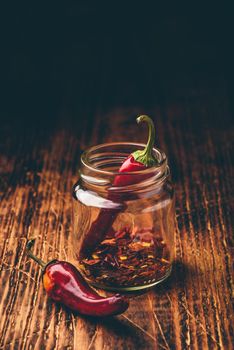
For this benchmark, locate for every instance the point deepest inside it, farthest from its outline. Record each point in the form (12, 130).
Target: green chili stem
(151, 138)
(34, 257)
(146, 155)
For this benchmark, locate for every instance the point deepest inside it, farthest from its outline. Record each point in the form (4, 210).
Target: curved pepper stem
(29, 245)
(146, 156)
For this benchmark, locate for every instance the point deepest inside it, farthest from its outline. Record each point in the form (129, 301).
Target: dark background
(75, 58)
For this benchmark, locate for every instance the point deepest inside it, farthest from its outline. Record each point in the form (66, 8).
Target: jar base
(131, 288)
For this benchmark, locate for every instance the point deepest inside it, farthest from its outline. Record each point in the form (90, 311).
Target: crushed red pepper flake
(95, 256)
(129, 258)
(111, 241)
(136, 246)
(122, 257)
(90, 261)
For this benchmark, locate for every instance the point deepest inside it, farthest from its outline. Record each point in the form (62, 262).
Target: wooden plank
(192, 310)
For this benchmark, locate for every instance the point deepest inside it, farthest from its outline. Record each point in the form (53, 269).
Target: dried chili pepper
(137, 161)
(64, 284)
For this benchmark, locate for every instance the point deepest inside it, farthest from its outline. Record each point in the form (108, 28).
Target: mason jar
(123, 237)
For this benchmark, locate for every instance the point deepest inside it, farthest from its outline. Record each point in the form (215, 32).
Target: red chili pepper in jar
(137, 161)
(64, 284)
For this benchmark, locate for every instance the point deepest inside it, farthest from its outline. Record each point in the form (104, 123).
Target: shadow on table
(179, 277)
(123, 328)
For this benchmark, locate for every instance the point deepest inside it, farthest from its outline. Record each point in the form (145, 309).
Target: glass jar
(123, 237)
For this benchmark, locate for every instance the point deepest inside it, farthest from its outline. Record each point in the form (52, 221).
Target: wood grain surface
(38, 166)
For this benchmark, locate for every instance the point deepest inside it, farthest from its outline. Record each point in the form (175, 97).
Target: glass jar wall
(123, 237)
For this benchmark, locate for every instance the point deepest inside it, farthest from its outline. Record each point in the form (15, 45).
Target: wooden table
(192, 309)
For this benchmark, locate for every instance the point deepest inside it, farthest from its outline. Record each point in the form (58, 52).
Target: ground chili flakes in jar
(134, 248)
(128, 259)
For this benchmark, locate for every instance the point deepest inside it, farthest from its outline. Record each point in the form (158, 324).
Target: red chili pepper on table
(138, 160)
(64, 284)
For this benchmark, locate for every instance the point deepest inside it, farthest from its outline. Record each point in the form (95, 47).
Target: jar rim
(160, 155)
